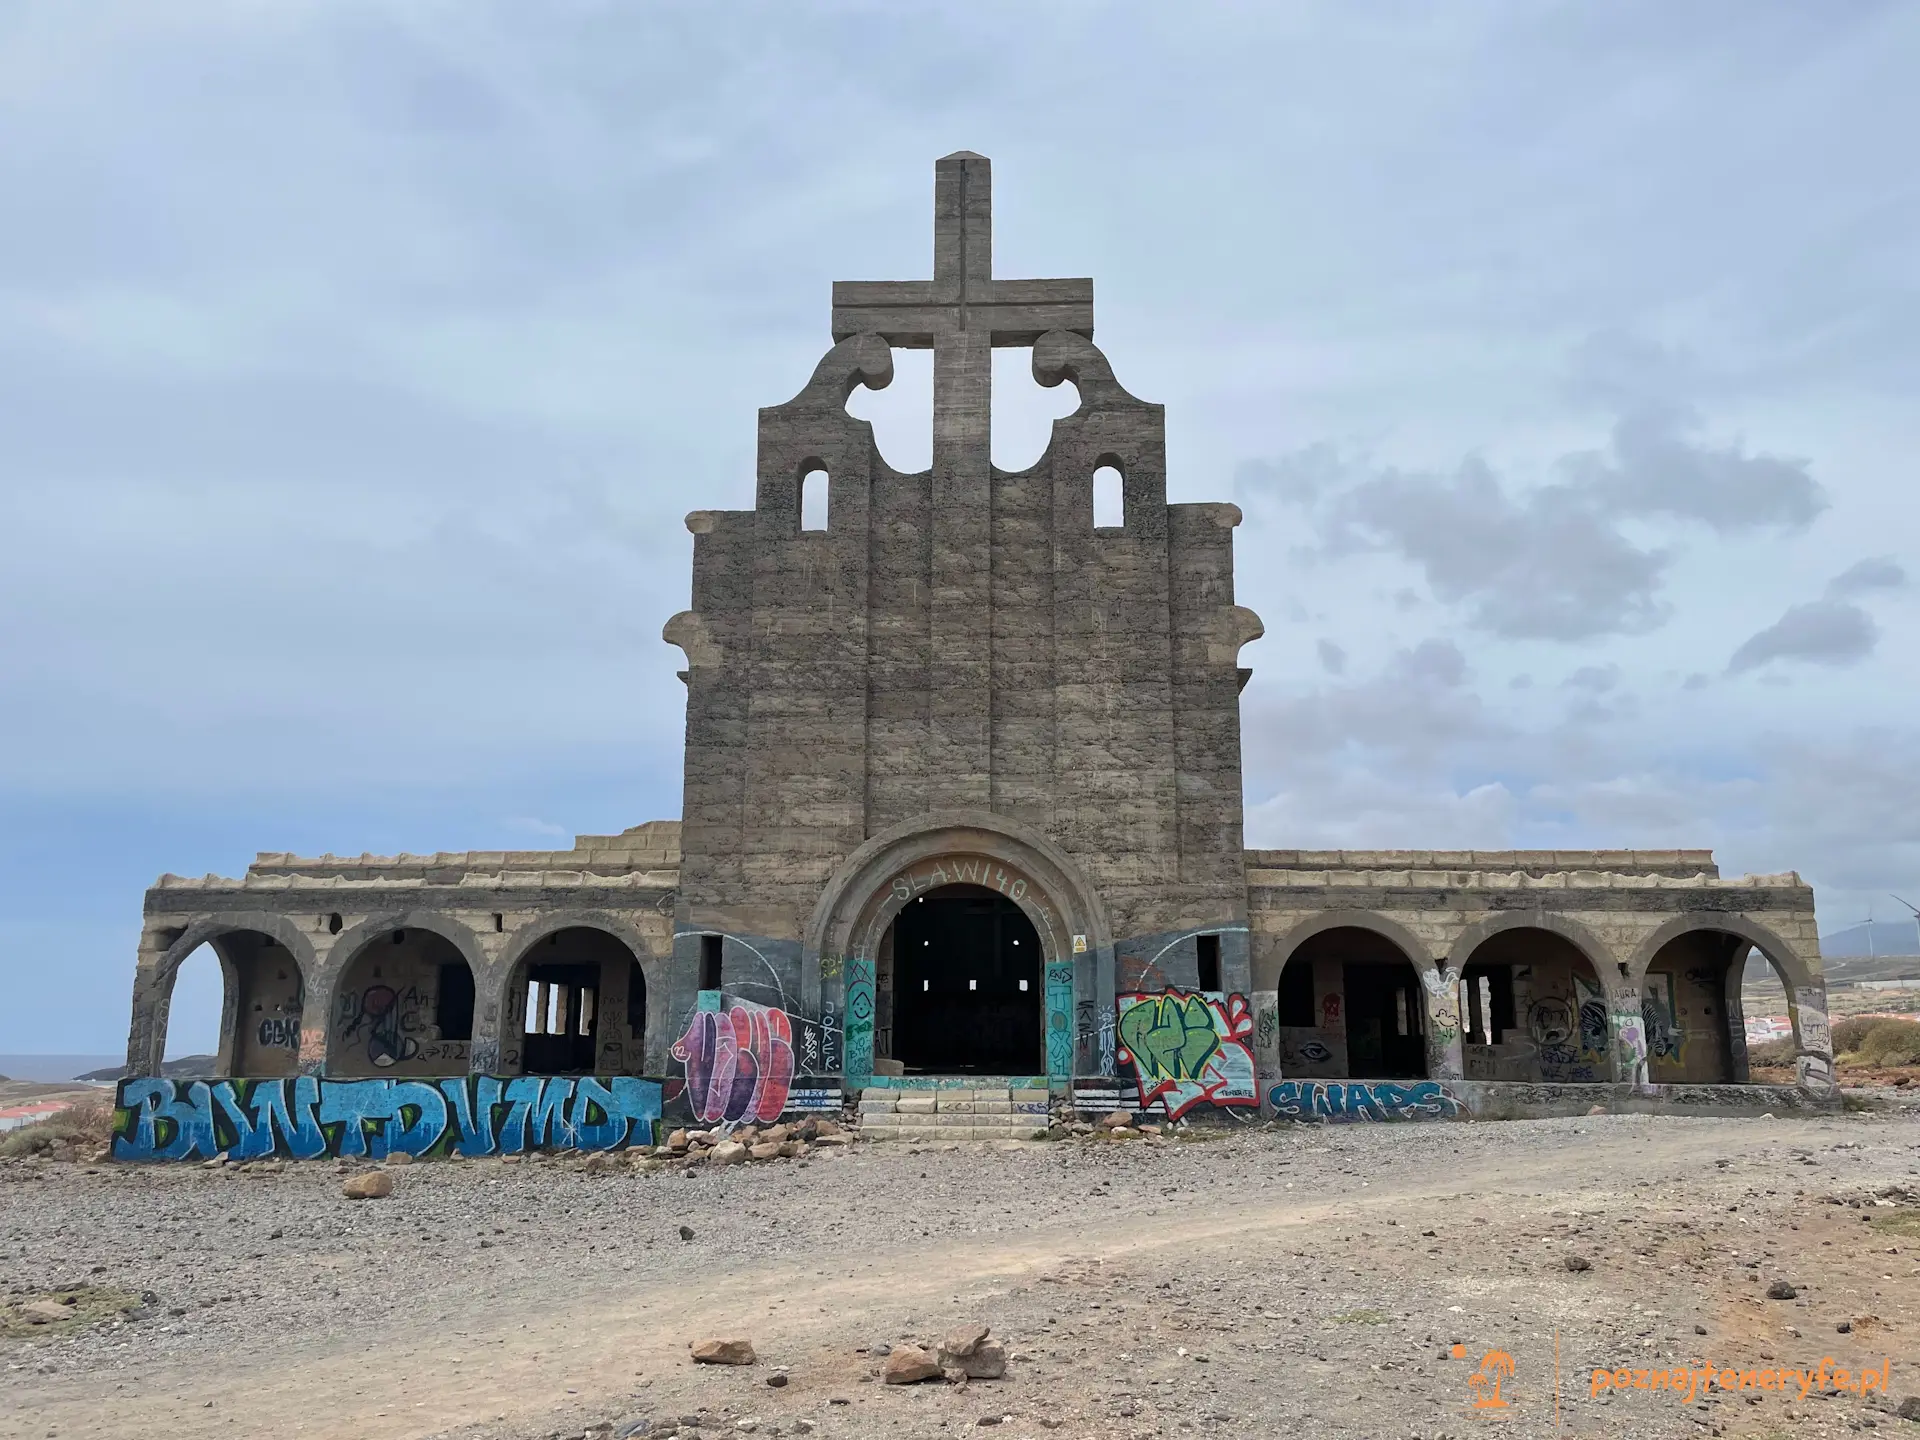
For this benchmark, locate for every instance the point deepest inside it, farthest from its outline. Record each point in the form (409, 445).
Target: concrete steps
(945, 1113)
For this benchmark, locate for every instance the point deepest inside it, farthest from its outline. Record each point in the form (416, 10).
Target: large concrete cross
(961, 314)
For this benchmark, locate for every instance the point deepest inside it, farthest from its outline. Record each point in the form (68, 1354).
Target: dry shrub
(1888, 1042)
(1772, 1052)
(1848, 1033)
(85, 1127)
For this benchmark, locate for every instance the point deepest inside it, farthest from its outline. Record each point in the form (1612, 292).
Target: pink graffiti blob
(739, 1062)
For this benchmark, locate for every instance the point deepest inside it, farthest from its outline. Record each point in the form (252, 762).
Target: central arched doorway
(1350, 1007)
(958, 985)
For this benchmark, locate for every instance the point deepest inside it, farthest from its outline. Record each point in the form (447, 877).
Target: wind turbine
(1916, 916)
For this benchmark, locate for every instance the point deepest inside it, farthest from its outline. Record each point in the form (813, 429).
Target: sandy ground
(1293, 1281)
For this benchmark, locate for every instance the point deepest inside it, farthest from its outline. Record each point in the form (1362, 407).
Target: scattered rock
(633, 1425)
(765, 1150)
(724, 1352)
(399, 1157)
(969, 1350)
(880, 1351)
(1781, 1290)
(727, 1152)
(371, 1185)
(1909, 1408)
(778, 1379)
(1117, 1118)
(1699, 1329)
(686, 1232)
(989, 1420)
(1596, 1110)
(1578, 1262)
(909, 1365)
(803, 1427)
(45, 1312)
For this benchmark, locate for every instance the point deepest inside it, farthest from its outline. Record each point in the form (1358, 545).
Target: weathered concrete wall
(322, 915)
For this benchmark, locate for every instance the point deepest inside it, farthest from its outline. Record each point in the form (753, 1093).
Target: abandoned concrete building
(963, 815)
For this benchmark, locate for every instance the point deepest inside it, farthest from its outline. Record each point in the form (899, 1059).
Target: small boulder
(677, 1141)
(909, 1365)
(1781, 1290)
(724, 1352)
(727, 1152)
(1909, 1408)
(370, 1185)
(1116, 1119)
(791, 1149)
(774, 1134)
(765, 1150)
(686, 1232)
(44, 1312)
(1596, 1110)
(399, 1157)
(1578, 1263)
(970, 1351)
(778, 1379)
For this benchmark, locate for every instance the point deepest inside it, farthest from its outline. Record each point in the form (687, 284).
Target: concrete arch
(655, 969)
(861, 899)
(1596, 951)
(1786, 961)
(153, 990)
(349, 949)
(212, 927)
(1267, 967)
(348, 945)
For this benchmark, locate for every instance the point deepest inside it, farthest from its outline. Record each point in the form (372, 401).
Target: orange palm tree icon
(1495, 1366)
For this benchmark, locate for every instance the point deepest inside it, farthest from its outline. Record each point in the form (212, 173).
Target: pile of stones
(790, 1141)
(967, 1353)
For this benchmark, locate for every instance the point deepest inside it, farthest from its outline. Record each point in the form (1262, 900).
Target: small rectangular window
(710, 951)
(1296, 995)
(453, 1009)
(1208, 947)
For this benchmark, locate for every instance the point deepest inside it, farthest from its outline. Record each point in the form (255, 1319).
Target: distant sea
(47, 1068)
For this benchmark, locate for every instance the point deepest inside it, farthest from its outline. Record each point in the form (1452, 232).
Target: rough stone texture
(724, 1352)
(908, 1365)
(961, 679)
(374, 1185)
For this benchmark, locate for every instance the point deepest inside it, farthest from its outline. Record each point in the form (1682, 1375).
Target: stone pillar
(1812, 1040)
(1266, 1039)
(1629, 1037)
(1445, 1059)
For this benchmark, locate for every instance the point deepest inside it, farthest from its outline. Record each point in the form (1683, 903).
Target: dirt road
(1297, 1281)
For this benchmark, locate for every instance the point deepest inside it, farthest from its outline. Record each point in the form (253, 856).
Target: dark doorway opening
(966, 984)
(1383, 1022)
(563, 1016)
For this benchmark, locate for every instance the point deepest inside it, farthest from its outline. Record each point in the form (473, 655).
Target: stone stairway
(946, 1113)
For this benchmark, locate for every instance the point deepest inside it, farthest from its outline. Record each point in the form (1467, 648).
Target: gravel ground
(1294, 1280)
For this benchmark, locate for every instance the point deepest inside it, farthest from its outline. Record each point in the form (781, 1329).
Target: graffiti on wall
(1665, 1039)
(1592, 1020)
(739, 1062)
(1060, 1038)
(386, 1021)
(1187, 1048)
(1364, 1100)
(1630, 1042)
(305, 1117)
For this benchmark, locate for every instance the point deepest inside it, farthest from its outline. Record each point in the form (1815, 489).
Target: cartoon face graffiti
(1550, 1022)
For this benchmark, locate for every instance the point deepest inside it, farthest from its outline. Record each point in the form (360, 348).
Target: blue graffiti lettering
(304, 1117)
(1337, 1100)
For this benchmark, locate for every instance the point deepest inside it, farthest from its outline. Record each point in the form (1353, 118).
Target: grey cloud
(1332, 658)
(1656, 467)
(1538, 564)
(1595, 678)
(1822, 632)
(1881, 572)
(1832, 630)
(1555, 560)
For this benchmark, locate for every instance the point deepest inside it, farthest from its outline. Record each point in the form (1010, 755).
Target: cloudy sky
(357, 364)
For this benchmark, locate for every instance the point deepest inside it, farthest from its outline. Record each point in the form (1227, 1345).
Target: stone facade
(961, 690)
